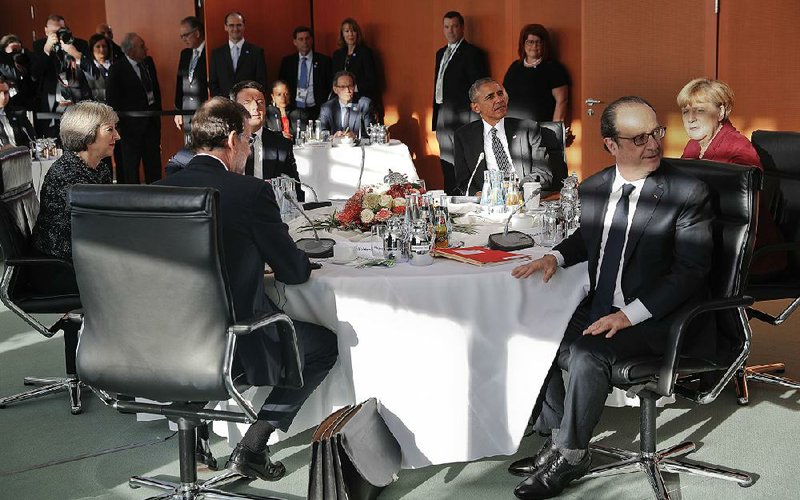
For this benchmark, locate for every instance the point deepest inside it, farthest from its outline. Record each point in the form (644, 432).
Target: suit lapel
(596, 207)
(652, 191)
(514, 148)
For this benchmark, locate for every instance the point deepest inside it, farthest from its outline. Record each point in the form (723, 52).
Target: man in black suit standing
(236, 61)
(55, 65)
(343, 117)
(307, 73)
(15, 129)
(191, 87)
(253, 234)
(132, 85)
(509, 144)
(271, 153)
(458, 64)
(646, 234)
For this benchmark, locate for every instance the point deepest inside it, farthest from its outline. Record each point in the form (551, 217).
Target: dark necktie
(146, 81)
(346, 124)
(249, 166)
(500, 154)
(603, 299)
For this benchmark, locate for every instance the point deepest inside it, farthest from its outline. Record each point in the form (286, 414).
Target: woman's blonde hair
(80, 123)
(703, 89)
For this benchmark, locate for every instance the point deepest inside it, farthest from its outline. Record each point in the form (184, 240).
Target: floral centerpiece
(374, 205)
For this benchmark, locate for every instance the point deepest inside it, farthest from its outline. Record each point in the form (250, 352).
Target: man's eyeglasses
(641, 139)
(348, 87)
(184, 36)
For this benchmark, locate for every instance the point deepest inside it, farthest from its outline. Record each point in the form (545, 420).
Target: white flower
(386, 201)
(399, 202)
(367, 215)
(371, 201)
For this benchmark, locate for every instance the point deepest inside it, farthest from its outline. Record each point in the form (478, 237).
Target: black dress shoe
(203, 455)
(528, 465)
(254, 465)
(551, 479)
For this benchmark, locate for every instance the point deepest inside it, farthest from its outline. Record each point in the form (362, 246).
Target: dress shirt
(310, 102)
(196, 53)
(438, 90)
(103, 66)
(258, 155)
(136, 69)
(636, 312)
(239, 45)
(6, 125)
(491, 161)
(344, 108)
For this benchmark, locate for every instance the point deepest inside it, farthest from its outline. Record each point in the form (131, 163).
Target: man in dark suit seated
(253, 235)
(132, 85)
(15, 129)
(343, 117)
(509, 144)
(236, 61)
(271, 154)
(646, 234)
(307, 73)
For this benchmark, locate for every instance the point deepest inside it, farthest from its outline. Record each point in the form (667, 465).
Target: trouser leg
(444, 135)
(130, 156)
(318, 350)
(151, 152)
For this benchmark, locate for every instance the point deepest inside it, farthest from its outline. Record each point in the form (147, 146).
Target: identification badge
(302, 94)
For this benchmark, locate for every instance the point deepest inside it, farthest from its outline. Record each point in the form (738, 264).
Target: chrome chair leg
(677, 466)
(653, 471)
(139, 481)
(610, 451)
(47, 386)
(761, 373)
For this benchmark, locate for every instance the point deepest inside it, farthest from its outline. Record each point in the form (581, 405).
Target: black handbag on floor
(353, 455)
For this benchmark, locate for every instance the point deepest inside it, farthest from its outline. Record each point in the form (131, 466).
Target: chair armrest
(38, 261)
(256, 322)
(666, 375)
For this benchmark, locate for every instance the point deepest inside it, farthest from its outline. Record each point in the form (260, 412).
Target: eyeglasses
(348, 87)
(641, 139)
(534, 42)
(184, 36)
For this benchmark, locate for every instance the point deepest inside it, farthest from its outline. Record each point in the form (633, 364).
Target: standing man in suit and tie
(508, 144)
(646, 234)
(271, 153)
(191, 87)
(458, 64)
(252, 235)
(236, 61)
(343, 117)
(132, 85)
(15, 129)
(307, 73)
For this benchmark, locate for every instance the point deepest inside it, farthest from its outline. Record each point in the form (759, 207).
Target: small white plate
(342, 262)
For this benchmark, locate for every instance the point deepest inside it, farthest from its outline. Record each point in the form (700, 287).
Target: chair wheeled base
(652, 462)
(49, 385)
(761, 373)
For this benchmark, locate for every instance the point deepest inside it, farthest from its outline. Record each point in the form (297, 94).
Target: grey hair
(127, 42)
(80, 123)
(473, 89)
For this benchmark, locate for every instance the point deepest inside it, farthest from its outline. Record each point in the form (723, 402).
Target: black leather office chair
(780, 156)
(19, 208)
(158, 317)
(554, 141)
(734, 198)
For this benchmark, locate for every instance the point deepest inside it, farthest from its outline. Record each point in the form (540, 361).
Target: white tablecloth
(334, 171)
(455, 353)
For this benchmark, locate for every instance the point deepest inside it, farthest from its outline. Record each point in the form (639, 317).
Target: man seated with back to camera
(646, 234)
(343, 117)
(252, 235)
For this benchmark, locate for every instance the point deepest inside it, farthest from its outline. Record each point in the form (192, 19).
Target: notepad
(480, 256)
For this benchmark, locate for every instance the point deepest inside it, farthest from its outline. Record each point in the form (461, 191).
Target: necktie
(235, 56)
(346, 121)
(3, 135)
(193, 63)
(439, 92)
(145, 76)
(303, 81)
(603, 298)
(249, 166)
(500, 154)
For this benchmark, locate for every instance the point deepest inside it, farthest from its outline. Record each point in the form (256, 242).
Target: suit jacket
(23, 131)
(321, 75)
(273, 119)
(467, 65)
(252, 235)
(668, 252)
(125, 92)
(191, 94)
(251, 66)
(330, 116)
(524, 144)
(362, 64)
(278, 159)
(45, 71)
(95, 79)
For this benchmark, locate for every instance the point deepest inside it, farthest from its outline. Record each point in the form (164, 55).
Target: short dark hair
(278, 82)
(247, 84)
(454, 14)
(215, 120)
(608, 120)
(342, 73)
(195, 24)
(302, 29)
(93, 41)
(535, 30)
(231, 13)
(475, 87)
(55, 17)
(3, 80)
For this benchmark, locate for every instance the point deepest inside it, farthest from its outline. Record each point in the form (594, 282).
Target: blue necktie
(603, 299)
(303, 82)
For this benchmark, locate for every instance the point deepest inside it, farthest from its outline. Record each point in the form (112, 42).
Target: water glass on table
(377, 241)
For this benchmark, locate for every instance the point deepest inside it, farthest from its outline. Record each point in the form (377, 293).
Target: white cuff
(636, 312)
(558, 256)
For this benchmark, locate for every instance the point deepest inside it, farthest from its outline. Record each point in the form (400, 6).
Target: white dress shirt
(636, 312)
(258, 155)
(491, 161)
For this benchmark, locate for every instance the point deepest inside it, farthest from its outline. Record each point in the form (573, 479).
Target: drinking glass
(552, 226)
(377, 241)
(421, 183)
